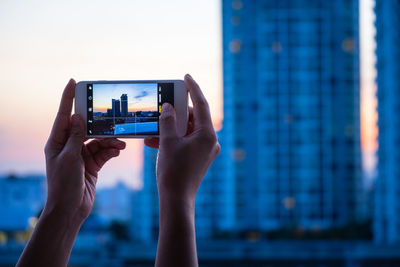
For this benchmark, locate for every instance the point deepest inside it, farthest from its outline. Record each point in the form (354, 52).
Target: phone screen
(126, 108)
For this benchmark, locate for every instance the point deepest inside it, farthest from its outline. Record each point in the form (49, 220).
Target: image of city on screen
(123, 109)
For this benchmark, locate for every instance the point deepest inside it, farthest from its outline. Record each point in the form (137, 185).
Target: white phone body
(88, 94)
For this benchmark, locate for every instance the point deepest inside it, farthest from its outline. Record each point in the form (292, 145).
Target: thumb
(76, 135)
(167, 122)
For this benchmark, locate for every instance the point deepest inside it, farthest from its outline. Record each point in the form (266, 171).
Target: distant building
(213, 202)
(116, 108)
(114, 203)
(124, 105)
(21, 198)
(387, 184)
(145, 202)
(110, 112)
(291, 130)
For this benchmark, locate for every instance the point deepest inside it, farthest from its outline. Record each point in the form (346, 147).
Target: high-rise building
(387, 185)
(145, 202)
(116, 108)
(291, 130)
(290, 143)
(124, 105)
(212, 206)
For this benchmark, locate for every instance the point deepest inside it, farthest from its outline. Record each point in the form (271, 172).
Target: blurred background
(295, 88)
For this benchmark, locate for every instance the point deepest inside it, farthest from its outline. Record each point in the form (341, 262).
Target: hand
(183, 161)
(181, 165)
(71, 168)
(71, 165)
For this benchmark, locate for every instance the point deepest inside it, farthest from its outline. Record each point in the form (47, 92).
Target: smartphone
(129, 109)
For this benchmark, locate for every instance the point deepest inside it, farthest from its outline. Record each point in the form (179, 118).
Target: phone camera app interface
(124, 108)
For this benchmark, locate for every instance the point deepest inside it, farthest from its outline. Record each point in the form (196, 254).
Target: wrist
(60, 219)
(176, 200)
(176, 209)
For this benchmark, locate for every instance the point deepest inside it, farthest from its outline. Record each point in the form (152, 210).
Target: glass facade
(387, 204)
(290, 143)
(291, 130)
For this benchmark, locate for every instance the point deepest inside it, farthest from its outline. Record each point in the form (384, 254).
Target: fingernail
(166, 107)
(189, 76)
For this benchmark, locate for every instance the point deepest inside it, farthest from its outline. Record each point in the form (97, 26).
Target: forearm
(177, 238)
(51, 242)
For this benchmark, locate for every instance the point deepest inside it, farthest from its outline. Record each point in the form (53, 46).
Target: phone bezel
(180, 105)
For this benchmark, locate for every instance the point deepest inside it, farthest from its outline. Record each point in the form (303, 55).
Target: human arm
(181, 165)
(71, 169)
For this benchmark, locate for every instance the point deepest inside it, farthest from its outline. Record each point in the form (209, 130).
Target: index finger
(59, 132)
(201, 110)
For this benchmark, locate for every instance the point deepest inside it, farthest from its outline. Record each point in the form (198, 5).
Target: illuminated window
(235, 46)
(289, 203)
(348, 45)
(237, 4)
(238, 154)
(276, 47)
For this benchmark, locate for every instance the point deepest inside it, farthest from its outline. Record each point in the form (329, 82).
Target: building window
(235, 20)
(238, 154)
(348, 45)
(276, 47)
(289, 203)
(235, 46)
(237, 4)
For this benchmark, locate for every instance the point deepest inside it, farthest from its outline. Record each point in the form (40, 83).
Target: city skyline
(34, 41)
(140, 97)
(300, 178)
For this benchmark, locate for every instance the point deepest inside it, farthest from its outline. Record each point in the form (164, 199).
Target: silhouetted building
(387, 184)
(124, 105)
(116, 107)
(110, 112)
(291, 130)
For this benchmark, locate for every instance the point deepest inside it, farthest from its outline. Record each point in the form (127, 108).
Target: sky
(141, 96)
(44, 43)
(369, 116)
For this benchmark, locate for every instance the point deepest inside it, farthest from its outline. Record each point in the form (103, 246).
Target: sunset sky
(44, 43)
(141, 97)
